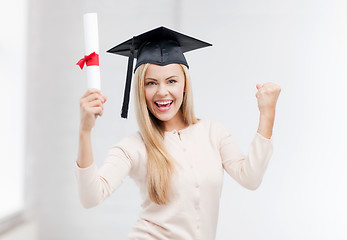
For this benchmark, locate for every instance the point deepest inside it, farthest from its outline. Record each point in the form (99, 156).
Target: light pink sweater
(202, 152)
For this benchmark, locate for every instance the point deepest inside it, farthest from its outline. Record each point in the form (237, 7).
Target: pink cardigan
(202, 152)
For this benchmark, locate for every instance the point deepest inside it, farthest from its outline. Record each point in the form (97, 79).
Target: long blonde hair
(160, 164)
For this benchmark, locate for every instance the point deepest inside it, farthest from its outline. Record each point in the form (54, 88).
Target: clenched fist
(267, 96)
(91, 106)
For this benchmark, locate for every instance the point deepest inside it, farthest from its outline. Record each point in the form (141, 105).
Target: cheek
(178, 92)
(148, 95)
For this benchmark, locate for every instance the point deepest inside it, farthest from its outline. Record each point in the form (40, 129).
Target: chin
(164, 117)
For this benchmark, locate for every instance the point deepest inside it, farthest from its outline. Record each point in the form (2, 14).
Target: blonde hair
(160, 164)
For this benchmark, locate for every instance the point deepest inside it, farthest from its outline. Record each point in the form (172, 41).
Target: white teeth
(163, 103)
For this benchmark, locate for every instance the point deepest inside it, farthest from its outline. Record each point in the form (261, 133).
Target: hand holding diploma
(92, 102)
(91, 106)
(267, 96)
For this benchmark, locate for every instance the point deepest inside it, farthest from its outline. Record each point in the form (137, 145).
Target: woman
(176, 159)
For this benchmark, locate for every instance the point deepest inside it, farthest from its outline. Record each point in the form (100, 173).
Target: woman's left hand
(267, 96)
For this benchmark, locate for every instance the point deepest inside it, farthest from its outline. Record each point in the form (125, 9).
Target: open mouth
(164, 105)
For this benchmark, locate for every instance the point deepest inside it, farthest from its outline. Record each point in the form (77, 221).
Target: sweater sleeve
(94, 184)
(246, 170)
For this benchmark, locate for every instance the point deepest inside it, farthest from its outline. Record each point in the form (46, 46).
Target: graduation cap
(161, 46)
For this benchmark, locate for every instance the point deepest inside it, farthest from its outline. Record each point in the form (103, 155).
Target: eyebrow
(157, 80)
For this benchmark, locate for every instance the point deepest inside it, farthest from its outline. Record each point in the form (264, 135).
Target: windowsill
(19, 226)
(12, 221)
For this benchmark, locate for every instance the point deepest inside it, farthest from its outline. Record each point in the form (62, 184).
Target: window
(12, 111)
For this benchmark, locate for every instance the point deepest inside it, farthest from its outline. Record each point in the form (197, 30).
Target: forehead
(157, 71)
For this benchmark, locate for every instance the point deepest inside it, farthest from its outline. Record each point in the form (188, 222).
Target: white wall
(299, 45)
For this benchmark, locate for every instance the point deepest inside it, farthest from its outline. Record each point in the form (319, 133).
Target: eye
(150, 83)
(172, 81)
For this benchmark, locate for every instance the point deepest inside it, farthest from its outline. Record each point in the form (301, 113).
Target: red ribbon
(90, 60)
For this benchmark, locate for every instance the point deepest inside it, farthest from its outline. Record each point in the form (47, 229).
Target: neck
(177, 123)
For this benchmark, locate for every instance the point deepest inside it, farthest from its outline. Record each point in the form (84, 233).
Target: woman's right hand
(91, 106)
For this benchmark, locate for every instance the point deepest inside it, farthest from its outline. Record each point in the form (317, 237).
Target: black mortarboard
(161, 46)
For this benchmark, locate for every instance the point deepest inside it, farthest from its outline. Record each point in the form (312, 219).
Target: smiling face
(164, 88)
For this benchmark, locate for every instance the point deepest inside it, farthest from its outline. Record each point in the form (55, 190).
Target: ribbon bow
(90, 60)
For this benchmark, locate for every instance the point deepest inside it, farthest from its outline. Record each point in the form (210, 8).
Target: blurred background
(300, 45)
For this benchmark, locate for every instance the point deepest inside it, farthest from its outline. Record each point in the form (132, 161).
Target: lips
(163, 103)
(163, 106)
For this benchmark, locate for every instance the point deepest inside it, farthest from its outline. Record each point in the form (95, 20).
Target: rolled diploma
(92, 45)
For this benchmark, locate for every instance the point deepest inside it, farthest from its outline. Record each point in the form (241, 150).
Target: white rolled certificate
(91, 38)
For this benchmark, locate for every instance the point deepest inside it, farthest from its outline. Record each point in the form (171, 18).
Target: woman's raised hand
(91, 106)
(267, 96)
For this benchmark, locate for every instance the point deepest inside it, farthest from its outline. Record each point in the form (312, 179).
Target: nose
(162, 90)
